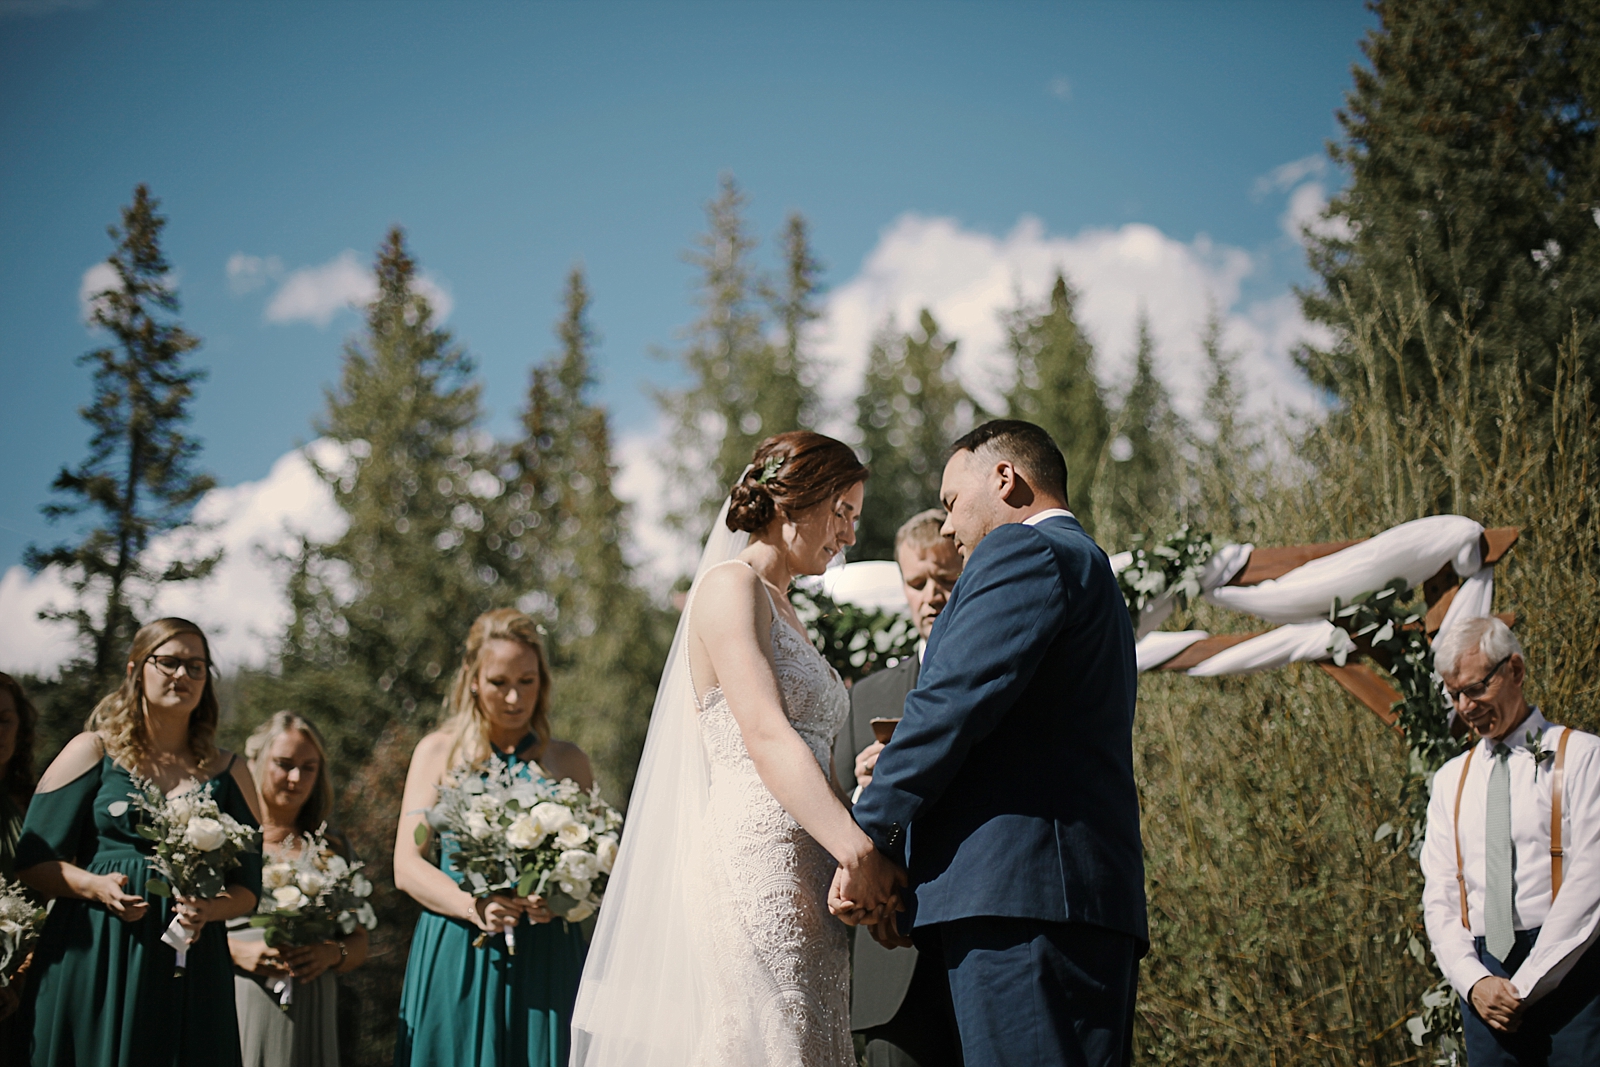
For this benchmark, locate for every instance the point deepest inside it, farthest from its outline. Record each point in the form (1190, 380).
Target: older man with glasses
(1512, 863)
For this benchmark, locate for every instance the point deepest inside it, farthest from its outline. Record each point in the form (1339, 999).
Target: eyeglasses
(1478, 688)
(171, 665)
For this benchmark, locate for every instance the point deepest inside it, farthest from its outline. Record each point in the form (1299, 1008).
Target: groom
(1007, 793)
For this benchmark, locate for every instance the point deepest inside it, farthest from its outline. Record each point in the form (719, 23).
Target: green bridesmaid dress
(107, 992)
(482, 1007)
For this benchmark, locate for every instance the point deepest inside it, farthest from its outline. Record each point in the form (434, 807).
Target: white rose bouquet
(314, 896)
(533, 837)
(197, 845)
(20, 922)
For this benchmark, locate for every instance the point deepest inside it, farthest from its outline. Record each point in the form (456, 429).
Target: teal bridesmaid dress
(483, 1007)
(107, 992)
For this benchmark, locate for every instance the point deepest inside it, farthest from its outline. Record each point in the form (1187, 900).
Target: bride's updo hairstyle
(789, 473)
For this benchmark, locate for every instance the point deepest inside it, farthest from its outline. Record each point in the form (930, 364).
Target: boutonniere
(1540, 753)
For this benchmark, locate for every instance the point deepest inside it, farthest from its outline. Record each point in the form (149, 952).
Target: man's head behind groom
(1004, 471)
(929, 566)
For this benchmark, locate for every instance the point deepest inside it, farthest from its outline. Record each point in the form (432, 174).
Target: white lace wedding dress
(779, 975)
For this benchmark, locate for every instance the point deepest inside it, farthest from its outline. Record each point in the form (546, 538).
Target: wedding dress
(780, 969)
(714, 947)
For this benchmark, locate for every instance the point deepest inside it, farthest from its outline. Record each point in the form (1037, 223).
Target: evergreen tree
(742, 388)
(1056, 388)
(795, 306)
(381, 613)
(1228, 473)
(1138, 487)
(910, 410)
(139, 478)
(1474, 178)
(565, 529)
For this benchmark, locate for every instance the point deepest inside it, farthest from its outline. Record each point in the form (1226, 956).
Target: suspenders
(1557, 778)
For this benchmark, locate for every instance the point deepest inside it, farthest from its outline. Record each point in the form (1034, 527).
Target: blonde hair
(921, 531)
(468, 725)
(318, 808)
(119, 717)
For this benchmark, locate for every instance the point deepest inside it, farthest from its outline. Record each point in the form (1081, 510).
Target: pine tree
(742, 388)
(1227, 474)
(1474, 178)
(605, 640)
(139, 477)
(795, 306)
(380, 614)
(1137, 490)
(1056, 388)
(910, 410)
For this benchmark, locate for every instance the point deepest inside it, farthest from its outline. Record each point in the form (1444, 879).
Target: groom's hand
(865, 891)
(887, 933)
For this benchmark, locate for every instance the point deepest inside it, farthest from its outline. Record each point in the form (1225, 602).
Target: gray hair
(920, 530)
(1484, 633)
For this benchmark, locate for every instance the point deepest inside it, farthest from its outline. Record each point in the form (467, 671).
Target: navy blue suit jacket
(1008, 787)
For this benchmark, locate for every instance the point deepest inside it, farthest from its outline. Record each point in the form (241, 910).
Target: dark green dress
(107, 994)
(480, 1007)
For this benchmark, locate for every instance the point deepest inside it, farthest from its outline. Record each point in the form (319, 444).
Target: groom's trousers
(1030, 993)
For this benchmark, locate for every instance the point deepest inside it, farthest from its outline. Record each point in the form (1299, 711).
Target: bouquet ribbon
(284, 987)
(178, 938)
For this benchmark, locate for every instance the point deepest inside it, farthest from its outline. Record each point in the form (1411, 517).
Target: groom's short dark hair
(1026, 446)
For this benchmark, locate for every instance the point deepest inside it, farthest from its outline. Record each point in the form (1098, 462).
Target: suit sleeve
(1007, 610)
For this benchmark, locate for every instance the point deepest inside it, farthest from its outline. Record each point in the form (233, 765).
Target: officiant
(900, 999)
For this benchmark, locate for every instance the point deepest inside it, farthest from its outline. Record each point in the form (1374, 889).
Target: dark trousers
(1029, 993)
(923, 1032)
(1561, 1029)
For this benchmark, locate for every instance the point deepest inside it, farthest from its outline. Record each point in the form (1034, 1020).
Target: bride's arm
(732, 625)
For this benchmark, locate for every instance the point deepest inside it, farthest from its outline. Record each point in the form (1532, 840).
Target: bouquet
(20, 922)
(312, 897)
(196, 845)
(534, 837)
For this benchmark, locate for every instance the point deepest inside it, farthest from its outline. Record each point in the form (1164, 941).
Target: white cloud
(241, 606)
(1060, 87)
(1303, 215)
(97, 280)
(317, 294)
(1287, 175)
(248, 273)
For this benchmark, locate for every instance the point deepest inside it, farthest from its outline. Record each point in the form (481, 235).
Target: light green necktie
(1500, 936)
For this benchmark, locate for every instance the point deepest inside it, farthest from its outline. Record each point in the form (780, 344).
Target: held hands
(867, 890)
(112, 892)
(866, 760)
(1497, 1002)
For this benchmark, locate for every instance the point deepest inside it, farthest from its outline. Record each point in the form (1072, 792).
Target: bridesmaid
(108, 994)
(464, 1006)
(17, 721)
(289, 762)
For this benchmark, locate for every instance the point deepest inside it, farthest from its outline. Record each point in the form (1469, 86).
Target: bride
(715, 946)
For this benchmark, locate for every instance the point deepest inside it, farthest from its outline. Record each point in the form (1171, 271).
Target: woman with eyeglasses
(109, 994)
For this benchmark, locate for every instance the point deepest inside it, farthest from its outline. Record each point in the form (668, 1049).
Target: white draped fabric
(1300, 599)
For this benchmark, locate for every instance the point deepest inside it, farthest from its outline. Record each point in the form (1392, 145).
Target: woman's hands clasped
(498, 912)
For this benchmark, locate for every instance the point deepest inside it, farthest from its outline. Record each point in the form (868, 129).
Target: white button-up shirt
(1047, 513)
(1569, 925)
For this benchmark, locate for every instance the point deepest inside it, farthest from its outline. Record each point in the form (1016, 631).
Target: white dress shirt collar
(1535, 724)
(1047, 513)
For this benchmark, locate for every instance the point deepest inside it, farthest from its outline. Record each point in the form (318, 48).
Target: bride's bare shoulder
(733, 589)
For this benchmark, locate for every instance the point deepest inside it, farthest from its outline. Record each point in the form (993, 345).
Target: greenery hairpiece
(768, 469)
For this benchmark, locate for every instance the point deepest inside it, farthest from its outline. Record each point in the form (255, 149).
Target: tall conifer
(139, 479)
(1471, 143)
(911, 408)
(1137, 490)
(565, 527)
(1056, 388)
(1228, 475)
(742, 387)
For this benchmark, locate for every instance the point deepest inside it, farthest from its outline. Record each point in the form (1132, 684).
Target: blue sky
(514, 140)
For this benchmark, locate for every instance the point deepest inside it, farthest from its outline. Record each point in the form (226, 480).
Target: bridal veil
(642, 1001)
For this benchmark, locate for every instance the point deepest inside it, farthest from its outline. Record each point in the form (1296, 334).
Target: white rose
(605, 852)
(289, 897)
(360, 886)
(572, 835)
(311, 883)
(525, 832)
(366, 916)
(276, 875)
(579, 866)
(477, 825)
(552, 816)
(179, 809)
(335, 865)
(347, 923)
(577, 889)
(204, 834)
(579, 912)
